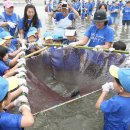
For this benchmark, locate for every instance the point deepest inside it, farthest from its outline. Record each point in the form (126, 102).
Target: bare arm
(3, 24)
(75, 12)
(27, 118)
(101, 99)
(39, 32)
(83, 41)
(13, 54)
(107, 45)
(10, 72)
(21, 32)
(14, 60)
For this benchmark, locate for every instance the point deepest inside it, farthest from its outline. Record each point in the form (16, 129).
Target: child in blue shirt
(70, 33)
(11, 44)
(114, 11)
(57, 38)
(8, 66)
(31, 44)
(126, 15)
(9, 121)
(116, 109)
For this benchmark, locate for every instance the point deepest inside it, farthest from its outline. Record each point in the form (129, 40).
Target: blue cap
(32, 29)
(57, 37)
(123, 74)
(3, 88)
(31, 33)
(1, 29)
(5, 35)
(47, 34)
(7, 85)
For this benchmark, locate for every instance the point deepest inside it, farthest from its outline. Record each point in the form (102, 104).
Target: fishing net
(55, 75)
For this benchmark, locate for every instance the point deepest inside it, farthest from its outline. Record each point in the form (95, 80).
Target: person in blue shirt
(11, 43)
(9, 121)
(8, 66)
(99, 35)
(31, 44)
(90, 7)
(57, 38)
(116, 109)
(126, 15)
(121, 5)
(9, 19)
(64, 18)
(114, 12)
(30, 19)
(71, 34)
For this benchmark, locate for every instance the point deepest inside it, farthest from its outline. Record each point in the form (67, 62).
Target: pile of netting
(57, 73)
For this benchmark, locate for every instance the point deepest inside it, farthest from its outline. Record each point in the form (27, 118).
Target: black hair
(72, 28)
(119, 45)
(117, 80)
(35, 20)
(3, 52)
(4, 97)
(128, 2)
(99, 7)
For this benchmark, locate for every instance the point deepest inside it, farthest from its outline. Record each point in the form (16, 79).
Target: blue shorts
(115, 20)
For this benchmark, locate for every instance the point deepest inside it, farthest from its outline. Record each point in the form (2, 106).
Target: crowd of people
(22, 36)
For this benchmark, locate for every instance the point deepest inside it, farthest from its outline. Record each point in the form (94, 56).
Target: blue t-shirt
(116, 113)
(126, 13)
(12, 46)
(3, 68)
(10, 121)
(13, 18)
(109, 20)
(21, 25)
(59, 16)
(114, 14)
(121, 5)
(99, 36)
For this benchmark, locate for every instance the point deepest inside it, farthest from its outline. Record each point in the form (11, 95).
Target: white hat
(69, 32)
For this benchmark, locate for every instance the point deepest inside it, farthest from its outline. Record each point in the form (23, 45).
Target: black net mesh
(55, 75)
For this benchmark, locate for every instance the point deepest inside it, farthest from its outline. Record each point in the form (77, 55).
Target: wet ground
(80, 114)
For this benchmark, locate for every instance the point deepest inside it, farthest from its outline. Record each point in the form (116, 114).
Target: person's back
(14, 121)
(116, 112)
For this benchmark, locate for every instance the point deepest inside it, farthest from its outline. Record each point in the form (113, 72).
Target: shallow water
(81, 114)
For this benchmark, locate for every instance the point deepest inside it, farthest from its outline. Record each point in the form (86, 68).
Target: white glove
(26, 106)
(73, 44)
(21, 74)
(22, 82)
(11, 24)
(98, 48)
(127, 63)
(22, 53)
(22, 69)
(21, 59)
(111, 49)
(24, 47)
(21, 63)
(22, 99)
(107, 87)
(24, 89)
